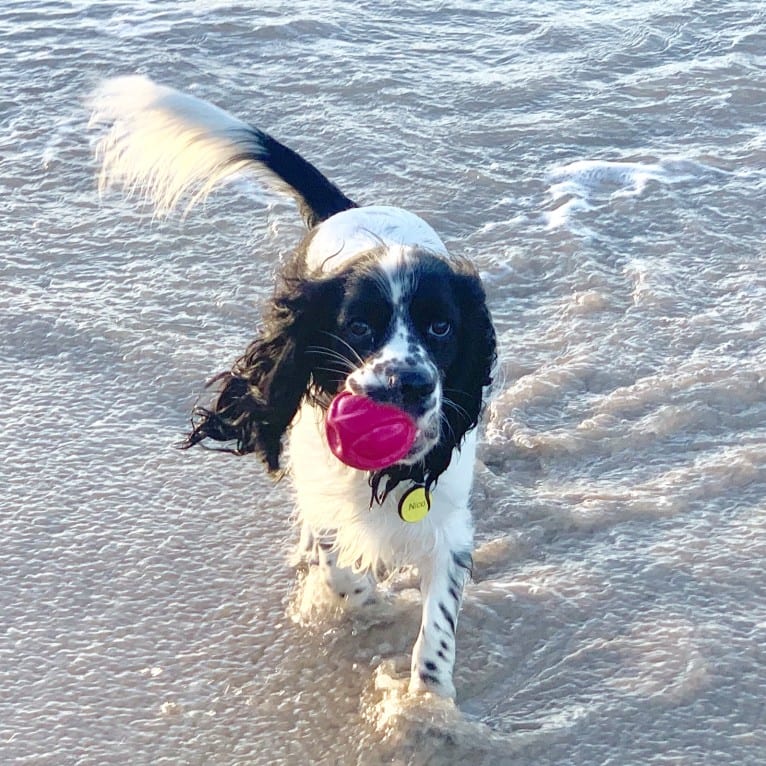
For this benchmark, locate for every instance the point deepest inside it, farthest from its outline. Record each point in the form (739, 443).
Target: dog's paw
(421, 683)
(330, 594)
(351, 589)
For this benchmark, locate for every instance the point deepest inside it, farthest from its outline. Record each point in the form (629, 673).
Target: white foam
(401, 721)
(581, 184)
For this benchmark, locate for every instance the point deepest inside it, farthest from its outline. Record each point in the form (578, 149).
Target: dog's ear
(472, 372)
(468, 376)
(258, 398)
(463, 387)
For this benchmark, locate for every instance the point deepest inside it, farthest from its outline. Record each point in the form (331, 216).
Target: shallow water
(605, 166)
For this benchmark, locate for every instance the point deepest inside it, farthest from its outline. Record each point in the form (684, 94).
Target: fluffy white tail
(170, 145)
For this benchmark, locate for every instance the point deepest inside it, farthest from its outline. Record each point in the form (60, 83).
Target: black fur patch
(447, 616)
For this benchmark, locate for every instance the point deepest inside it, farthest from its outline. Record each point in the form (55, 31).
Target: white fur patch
(167, 144)
(335, 500)
(359, 230)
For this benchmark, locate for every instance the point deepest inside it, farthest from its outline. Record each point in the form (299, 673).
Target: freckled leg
(433, 657)
(353, 588)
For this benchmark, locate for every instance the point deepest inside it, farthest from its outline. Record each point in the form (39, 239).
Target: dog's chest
(335, 500)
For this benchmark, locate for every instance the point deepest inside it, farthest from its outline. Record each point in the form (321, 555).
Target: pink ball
(367, 435)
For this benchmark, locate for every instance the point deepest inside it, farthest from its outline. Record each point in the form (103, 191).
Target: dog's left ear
(258, 398)
(472, 371)
(465, 379)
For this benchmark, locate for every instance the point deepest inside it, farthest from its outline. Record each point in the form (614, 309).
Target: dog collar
(415, 504)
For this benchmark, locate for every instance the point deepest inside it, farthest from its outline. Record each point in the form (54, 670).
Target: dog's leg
(353, 588)
(433, 657)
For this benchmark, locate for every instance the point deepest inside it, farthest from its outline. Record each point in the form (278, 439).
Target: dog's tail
(171, 146)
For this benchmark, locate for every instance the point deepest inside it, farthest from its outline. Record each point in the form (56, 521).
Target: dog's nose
(407, 388)
(414, 386)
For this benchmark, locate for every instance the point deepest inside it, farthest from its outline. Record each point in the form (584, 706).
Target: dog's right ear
(258, 398)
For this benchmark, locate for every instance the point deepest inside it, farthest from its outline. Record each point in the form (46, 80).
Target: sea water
(604, 165)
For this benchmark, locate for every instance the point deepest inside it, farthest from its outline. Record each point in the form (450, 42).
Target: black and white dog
(371, 303)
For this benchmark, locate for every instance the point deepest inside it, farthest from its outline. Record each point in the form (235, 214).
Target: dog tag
(414, 505)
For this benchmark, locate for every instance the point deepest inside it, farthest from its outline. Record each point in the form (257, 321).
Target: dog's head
(401, 324)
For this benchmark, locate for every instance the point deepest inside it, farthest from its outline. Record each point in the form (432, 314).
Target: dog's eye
(440, 328)
(359, 329)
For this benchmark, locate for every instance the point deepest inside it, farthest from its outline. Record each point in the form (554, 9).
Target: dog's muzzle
(410, 390)
(415, 390)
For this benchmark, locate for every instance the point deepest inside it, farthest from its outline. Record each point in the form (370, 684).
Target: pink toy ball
(366, 435)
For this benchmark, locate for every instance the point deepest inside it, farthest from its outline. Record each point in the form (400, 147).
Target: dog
(371, 303)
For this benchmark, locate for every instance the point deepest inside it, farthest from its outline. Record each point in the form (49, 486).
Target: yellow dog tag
(414, 505)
